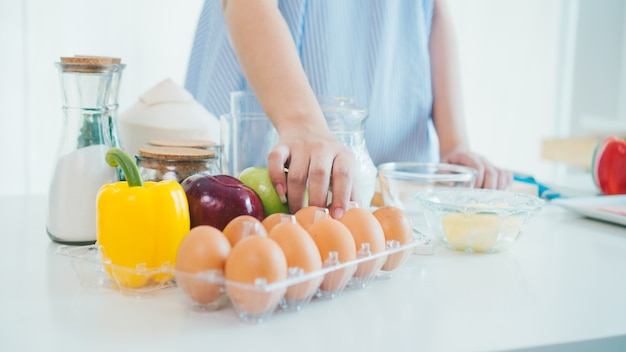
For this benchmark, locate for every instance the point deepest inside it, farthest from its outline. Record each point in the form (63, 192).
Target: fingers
(276, 162)
(488, 175)
(313, 167)
(505, 179)
(496, 178)
(343, 185)
(470, 160)
(319, 179)
(297, 180)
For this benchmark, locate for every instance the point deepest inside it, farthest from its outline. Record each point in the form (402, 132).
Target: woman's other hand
(489, 176)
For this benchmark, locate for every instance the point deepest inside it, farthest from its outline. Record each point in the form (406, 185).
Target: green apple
(258, 178)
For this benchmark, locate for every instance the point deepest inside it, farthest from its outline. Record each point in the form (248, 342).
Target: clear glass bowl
(400, 181)
(477, 220)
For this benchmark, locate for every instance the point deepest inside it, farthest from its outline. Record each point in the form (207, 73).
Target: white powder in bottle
(77, 178)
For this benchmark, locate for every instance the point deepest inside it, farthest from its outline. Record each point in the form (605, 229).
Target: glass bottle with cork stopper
(81, 169)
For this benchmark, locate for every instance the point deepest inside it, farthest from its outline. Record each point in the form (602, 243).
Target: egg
(366, 231)
(203, 249)
(480, 232)
(301, 252)
(254, 260)
(242, 226)
(274, 219)
(397, 227)
(335, 245)
(310, 214)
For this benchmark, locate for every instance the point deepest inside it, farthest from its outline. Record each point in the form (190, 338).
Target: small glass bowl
(399, 181)
(477, 220)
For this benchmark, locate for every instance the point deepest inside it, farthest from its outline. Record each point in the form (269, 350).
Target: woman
(394, 57)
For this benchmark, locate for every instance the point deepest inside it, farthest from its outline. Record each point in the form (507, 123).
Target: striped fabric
(373, 50)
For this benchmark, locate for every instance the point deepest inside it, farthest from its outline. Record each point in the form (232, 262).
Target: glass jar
(112, 101)
(175, 163)
(347, 123)
(193, 143)
(81, 169)
(248, 135)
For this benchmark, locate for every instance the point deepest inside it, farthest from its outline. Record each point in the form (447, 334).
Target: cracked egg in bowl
(477, 220)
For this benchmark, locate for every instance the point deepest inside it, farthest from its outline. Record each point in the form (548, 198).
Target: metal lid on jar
(175, 153)
(186, 143)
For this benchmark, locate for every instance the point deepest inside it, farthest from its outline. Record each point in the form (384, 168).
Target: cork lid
(189, 143)
(175, 153)
(87, 63)
(114, 60)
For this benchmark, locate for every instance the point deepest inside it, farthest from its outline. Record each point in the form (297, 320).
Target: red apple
(609, 165)
(216, 200)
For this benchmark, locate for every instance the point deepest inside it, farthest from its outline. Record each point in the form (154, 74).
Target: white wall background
(153, 37)
(514, 56)
(510, 56)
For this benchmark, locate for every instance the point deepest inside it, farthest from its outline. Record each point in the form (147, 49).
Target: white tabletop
(564, 281)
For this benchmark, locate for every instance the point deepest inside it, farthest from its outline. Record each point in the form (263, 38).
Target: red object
(609, 166)
(215, 200)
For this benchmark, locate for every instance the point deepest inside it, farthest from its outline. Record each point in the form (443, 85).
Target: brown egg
(274, 219)
(365, 229)
(203, 249)
(309, 214)
(243, 226)
(397, 227)
(301, 252)
(331, 236)
(254, 259)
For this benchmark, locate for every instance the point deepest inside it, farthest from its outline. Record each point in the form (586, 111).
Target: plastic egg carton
(254, 303)
(94, 271)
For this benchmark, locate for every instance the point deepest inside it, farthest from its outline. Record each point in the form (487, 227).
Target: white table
(564, 282)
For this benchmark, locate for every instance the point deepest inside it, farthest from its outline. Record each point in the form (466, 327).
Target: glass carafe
(80, 168)
(248, 135)
(112, 104)
(347, 122)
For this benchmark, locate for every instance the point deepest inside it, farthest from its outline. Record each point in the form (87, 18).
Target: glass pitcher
(112, 101)
(81, 169)
(248, 135)
(347, 122)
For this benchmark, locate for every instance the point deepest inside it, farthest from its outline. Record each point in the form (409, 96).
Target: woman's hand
(489, 176)
(314, 157)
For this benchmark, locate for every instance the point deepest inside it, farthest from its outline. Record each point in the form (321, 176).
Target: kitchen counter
(562, 286)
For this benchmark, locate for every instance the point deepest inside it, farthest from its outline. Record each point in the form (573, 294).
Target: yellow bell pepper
(140, 226)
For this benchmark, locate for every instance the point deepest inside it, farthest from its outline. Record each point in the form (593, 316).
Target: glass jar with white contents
(80, 169)
(175, 163)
